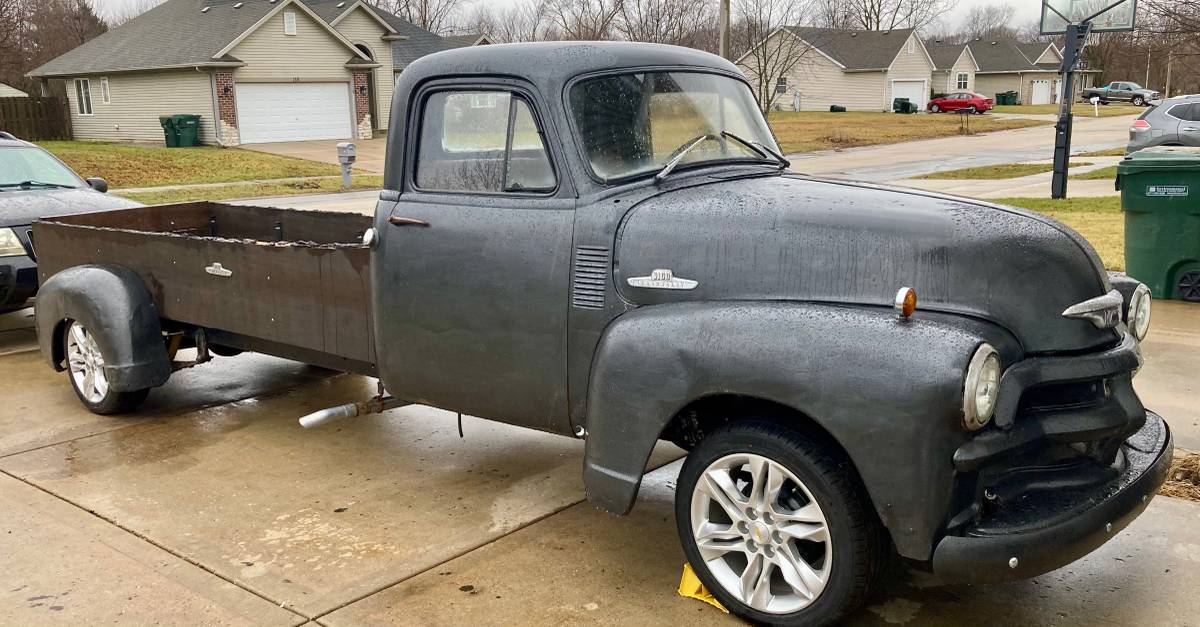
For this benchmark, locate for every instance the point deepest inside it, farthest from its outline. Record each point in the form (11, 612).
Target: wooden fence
(35, 119)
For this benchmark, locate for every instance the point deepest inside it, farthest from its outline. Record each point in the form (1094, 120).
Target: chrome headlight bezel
(1137, 318)
(10, 244)
(981, 387)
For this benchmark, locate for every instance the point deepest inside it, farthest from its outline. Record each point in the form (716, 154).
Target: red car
(969, 100)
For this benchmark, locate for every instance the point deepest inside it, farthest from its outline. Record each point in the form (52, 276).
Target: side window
(1180, 112)
(1192, 113)
(481, 141)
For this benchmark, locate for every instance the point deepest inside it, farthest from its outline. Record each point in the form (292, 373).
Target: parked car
(1173, 122)
(34, 184)
(958, 101)
(1121, 91)
(601, 240)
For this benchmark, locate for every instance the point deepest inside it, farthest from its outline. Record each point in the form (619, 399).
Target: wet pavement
(211, 506)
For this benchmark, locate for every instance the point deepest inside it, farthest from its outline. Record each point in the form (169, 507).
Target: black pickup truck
(601, 240)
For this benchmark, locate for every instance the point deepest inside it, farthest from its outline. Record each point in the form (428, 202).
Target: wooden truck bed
(284, 282)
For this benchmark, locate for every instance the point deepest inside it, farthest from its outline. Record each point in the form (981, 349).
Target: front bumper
(1052, 528)
(18, 282)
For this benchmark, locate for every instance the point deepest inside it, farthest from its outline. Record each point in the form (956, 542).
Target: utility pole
(724, 26)
(1167, 89)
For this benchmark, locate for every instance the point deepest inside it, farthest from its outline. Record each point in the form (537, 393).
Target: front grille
(1060, 396)
(590, 279)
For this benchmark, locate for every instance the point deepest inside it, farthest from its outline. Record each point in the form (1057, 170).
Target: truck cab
(603, 241)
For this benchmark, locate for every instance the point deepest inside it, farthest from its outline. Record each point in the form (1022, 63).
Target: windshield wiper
(680, 153)
(760, 148)
(29, 184)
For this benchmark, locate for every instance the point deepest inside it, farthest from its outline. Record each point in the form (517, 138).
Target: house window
(83, 96)
(493, 149)
(289, 23)
(104, 95)
(45, 89)
(964, 80)
(781, 85)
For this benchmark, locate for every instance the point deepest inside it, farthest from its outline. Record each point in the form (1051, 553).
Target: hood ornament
(662, 280)
(1102, 311)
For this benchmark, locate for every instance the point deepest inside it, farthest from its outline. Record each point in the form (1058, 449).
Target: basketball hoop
(1105, 16)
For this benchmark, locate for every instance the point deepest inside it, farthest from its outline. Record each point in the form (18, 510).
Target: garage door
(1042, 93)
(915, 91)
(285, 112)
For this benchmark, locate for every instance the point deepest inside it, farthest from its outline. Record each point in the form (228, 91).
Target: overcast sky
(1027, 10)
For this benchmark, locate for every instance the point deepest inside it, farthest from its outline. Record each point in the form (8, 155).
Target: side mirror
(98, 184)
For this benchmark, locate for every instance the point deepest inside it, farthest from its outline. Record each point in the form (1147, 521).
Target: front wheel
(935, 109)
(85, 367)
(1138, 101)
(777, 526)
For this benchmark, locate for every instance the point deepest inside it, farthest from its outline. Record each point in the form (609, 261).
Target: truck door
(474, 266)
(1189, 125)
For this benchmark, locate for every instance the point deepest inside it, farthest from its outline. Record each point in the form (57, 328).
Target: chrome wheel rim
(86, 364)
(761, 533)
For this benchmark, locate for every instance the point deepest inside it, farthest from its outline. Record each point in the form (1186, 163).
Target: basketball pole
(1076, 36)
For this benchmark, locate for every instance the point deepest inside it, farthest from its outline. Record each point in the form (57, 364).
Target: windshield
(24, 165)
(632, 124)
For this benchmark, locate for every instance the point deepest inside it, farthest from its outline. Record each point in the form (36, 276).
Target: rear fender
(113, 303)
(889, 391)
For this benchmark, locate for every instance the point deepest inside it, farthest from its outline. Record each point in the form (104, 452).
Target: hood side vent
(590, 279)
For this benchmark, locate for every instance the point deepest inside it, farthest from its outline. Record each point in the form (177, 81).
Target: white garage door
(915, 91)
(285, 112)
(1042, 93)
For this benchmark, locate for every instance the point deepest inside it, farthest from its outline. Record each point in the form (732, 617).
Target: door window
(481, 141)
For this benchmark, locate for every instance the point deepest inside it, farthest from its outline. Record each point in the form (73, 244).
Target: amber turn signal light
(906, 301)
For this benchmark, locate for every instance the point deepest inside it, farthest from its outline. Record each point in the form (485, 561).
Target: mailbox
(347, 153)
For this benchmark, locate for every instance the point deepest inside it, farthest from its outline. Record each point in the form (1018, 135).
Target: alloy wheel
(761, 533)
(86, 364)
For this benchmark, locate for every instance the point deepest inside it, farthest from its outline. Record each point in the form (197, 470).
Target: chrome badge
(662, 280)
(1102, 311)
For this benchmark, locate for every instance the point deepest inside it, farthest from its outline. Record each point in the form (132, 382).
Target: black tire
(1188, 288)
(857, 538)
(112, 401)
(1104, 102)
(1138, 101)
(972, 109)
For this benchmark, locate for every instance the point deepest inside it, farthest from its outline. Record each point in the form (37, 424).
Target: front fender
(114, 304)
(888, 390)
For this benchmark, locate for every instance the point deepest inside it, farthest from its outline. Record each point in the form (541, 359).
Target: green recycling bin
(170, 133)
(1160, 196)
(903, 105)
(188, 127)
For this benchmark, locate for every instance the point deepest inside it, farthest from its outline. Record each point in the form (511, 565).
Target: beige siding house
(1030, 69)
(859, 70)
(254, 71)
(956, 68)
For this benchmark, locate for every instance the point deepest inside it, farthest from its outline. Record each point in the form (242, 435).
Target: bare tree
(585, 20)
(527, 21)
(879, 14)
(678, 22)
(989, 21)
(115, 15)
(33, 32)
(435, 16)
(772, 50)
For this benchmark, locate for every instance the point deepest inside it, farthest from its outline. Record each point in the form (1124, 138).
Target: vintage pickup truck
(601, 240)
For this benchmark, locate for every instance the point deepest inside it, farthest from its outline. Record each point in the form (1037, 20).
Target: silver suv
(1172, 122)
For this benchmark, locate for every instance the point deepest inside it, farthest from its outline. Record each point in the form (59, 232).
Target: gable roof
(1008, 56)
(181, 34)
(855, 50)
(7, 91)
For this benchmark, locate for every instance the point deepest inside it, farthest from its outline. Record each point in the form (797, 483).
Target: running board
(376, 405)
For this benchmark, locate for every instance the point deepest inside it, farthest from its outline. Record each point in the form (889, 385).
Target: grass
(1119, 151)
(818, 130)
(1098, 220)
(1081, 110)
(1108, 173)
(993, 172)
(124, 165)
(254, 190)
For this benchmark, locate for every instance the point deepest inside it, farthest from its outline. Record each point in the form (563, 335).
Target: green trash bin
(188, 127)
(1160, 195)
(900, 105)
(170, 133)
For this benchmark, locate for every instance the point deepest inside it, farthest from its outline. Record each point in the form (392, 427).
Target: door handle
(1188, 129)
(398, 221)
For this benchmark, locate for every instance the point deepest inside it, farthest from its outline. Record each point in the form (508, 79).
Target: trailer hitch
(376, 405)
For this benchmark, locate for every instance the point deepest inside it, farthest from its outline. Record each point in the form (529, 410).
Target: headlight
(981, 388)
(9, 244)
(1138, 317)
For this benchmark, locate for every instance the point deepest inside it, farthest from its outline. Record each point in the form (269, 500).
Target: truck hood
(21, 207)
(797, 238)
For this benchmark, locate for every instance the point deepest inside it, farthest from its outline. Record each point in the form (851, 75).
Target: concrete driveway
(371, 152)
(211, 506)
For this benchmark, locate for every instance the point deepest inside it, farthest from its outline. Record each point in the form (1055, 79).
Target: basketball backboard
(1114, 15)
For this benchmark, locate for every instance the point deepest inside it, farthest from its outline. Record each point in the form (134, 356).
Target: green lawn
(820, 130)
(1080, 110)
(993, 172)
(1108, 173)
(1099, 220)
(254, 190)
(1111, 152)
(124, 165)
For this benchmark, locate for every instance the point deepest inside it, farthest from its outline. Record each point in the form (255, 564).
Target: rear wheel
(1189, 287)
(1138, 101)
(972, 109)
(776, 526)
(86, 370)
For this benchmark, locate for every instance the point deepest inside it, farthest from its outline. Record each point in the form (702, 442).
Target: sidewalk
(1032, 186)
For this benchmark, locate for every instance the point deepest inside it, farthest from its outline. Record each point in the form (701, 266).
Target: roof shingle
(855, 49)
